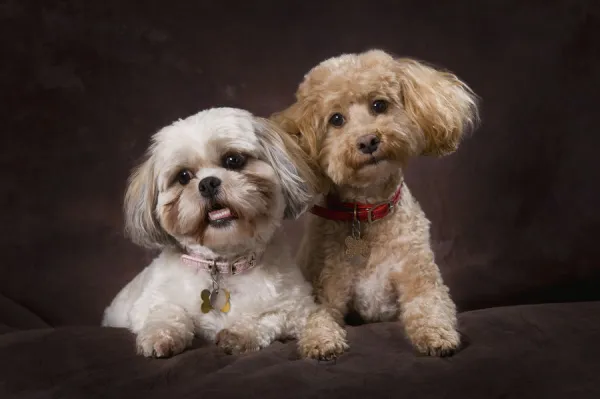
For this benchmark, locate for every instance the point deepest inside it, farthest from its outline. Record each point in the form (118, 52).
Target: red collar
(348, 211)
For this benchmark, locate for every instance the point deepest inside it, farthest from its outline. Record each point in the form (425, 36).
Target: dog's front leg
(166, 331)
(427, 311)
(320, 336)
(323, 336)
(333, 287)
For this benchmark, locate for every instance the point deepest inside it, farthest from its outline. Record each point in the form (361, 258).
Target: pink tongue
(219, 214)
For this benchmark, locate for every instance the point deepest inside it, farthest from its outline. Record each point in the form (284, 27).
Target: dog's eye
(234, 161)
(337, 119)
(184, 177)
(379, 106)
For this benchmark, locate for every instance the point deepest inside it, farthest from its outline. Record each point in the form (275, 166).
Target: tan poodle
(367, 245)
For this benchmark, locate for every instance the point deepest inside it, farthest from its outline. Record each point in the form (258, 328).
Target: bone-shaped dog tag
(206, 306)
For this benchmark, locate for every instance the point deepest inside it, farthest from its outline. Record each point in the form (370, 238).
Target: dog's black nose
(368, 144)
(209, 186)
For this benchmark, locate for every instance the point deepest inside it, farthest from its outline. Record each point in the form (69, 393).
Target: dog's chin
(372, 162)
(363, 171)
(224, 227)
(372, 168)
(232, 228)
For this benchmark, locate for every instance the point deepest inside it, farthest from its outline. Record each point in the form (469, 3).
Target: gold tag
(217, 299)
(356, 246)
(206, 307)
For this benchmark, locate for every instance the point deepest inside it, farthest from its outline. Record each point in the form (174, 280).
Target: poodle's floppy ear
(443, 106)
(294, 170)
(299, 121)
(141, 224)
(288, 119)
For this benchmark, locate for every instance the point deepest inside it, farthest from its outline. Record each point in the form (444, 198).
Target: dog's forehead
(206, 131)
(350, 76)
(352, 63)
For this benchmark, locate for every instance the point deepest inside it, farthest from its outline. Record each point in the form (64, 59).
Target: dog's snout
(368, 144)
(209, 186)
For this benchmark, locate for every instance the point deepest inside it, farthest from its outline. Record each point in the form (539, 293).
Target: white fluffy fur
(271, 301)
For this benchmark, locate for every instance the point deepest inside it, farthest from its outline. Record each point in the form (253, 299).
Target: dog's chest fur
(368, 278)
(270, 284)
(266, 286)
(249, 292)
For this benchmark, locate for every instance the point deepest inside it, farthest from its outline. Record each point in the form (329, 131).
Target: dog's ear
(295, 170)
(141, 223)
(288, 120)
(443, 106)
(302, 123)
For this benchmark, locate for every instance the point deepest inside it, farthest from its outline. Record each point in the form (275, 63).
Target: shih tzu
(361, 117)
(212, 195)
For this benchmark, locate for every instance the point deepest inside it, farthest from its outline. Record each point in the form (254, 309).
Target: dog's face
(361, 116)
(221, 179)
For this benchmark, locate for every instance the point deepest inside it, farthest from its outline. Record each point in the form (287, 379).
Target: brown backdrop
(84, 85)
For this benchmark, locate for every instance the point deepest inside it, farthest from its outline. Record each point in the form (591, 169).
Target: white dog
(212, 195)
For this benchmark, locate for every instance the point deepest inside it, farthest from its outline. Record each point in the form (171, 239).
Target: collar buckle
(370, 215)
(391, 206)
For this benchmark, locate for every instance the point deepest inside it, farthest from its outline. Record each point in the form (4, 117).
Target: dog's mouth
(220, 216)
(371, 160)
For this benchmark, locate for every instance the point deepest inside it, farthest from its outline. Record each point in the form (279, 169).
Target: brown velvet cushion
(537, 351)
(85, 84)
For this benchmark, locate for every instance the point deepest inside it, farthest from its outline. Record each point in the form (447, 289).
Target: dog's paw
(235, 343)
(323, 344)
(161, 342)
(436, 341)
(322, 350)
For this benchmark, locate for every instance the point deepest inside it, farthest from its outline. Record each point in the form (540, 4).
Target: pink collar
(211, 265)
